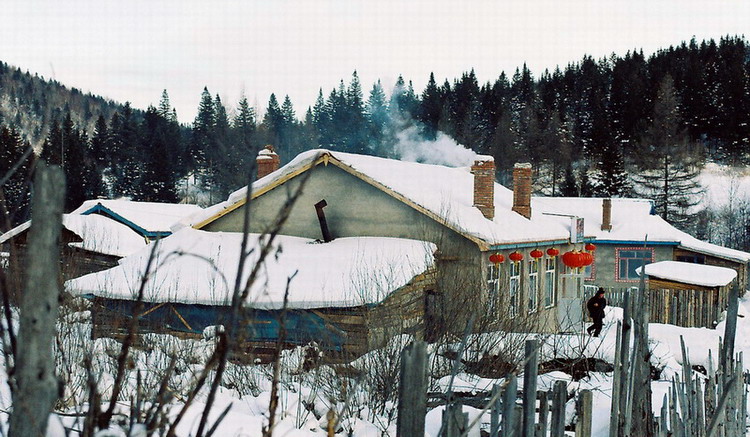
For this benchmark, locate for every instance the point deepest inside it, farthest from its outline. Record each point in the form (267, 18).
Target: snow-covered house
(462, 211)
(626, 231)
(100, 232)
(348, 295)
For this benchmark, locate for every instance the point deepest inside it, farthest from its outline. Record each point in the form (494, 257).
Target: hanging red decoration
(515, 256)
(496, 258)
(590, 247)
(553, 252)
(536, 253)
(586, 259)
(572, 259)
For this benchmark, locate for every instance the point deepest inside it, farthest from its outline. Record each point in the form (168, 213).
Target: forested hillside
(625, 125)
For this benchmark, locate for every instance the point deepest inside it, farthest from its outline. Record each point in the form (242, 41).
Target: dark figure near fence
(596, 306)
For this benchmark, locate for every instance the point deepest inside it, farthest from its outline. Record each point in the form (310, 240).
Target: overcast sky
(130, 50)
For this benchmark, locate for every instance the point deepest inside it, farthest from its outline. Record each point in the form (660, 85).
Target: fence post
(495, 412)
(36, 389)
(509, 402)
(583, 425)
(412, 399)
(614, 417)
(529, 386)
(559, 398)
(454, 421)
(541, 427)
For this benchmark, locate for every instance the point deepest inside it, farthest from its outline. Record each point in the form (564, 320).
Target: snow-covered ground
(362, 394)
(724, 185)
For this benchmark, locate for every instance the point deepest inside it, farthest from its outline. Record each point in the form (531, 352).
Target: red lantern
(553, 252)
(496, 258)
(536, 253)
(586, 259)
(515, 256)
(590, 247)
(572, 259)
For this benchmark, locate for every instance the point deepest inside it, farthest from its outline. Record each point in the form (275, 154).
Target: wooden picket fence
(680, 307)
(535, 414)
(714, 406)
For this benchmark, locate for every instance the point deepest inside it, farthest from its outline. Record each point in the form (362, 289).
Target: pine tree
(355, 128)
(203, 133)
(430, 109)
(376, 111)
(15, 193)
(159, 178)
(669, 163)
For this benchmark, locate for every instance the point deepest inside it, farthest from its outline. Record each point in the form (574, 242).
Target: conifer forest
(625, 125)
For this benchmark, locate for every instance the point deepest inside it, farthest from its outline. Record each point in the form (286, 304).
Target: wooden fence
(534, 414)
(688, 308)
(696, 406)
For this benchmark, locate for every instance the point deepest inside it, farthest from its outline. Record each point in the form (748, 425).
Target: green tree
(669, 162)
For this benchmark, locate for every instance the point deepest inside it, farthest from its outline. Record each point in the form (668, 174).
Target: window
(533, 284)
(515, 287)
(629, 259)
(550, 282)
(493, 287)
(589, 272)
(695, 259)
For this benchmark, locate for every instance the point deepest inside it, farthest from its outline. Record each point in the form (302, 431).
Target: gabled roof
(442, 193)
(98, 234)
(199, 267)
(632, 222)
(689, 273)
(150, 219)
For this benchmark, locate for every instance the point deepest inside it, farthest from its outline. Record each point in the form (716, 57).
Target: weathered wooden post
(614, 416)
(641, 413)
(623, 378)
(495, 412)
(559, 398)
(541, 427)
(36, 383)
(585, 401)
(530, 372)
(730, 329)
(412, 399)
(455, 421)
(509, 402)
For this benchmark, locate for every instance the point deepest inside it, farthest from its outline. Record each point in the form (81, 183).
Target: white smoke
(411, 146)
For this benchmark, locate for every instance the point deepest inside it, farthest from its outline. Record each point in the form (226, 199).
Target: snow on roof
(200, 267)
(150, 216)
(631, 221)
(103, 235)
(690, 273)
(98, 234)
(443, 191)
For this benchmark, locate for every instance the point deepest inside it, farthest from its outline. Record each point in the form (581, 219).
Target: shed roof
(98, 234)
(199, 267)
(690, 273)
(443, 193)
(150, 219)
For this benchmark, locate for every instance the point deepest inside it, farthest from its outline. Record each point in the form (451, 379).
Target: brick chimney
(484, 185)
(522, 189)
(267, 161)
(606, 214)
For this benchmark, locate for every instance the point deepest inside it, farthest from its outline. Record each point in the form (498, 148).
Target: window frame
(550, 282)
(618, 258)
(532, 300)
(492, 281)
(514, 288)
